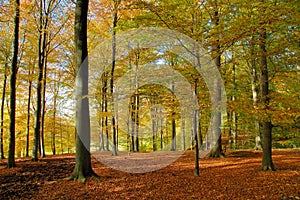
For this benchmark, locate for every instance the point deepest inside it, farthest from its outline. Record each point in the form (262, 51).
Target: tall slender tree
(267, 163)
(217, 149)
(2, 112)
(13, 78)
(112, 70)
(41, 59)
(173, 145)
(28, 109)
(83, 166)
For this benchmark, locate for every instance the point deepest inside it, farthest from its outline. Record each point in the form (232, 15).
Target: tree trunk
(113, 65)
(101, 137)
(37, 128)
(161, 134)
(154, 128)
(255, 90)
(267, 163)
(217, 149)
(102, 119)
(2, 112)
(136, 117)
(136, 102)
(173, 145)
(28, 113)
(182, 134)
(234, 129)
(132, 143)
(61, 137)
(53, 142)
(199, 136)
(41, 48)
(105, 119)
(13, 78)
(195, 133)
(83, 166)
(43, 106)
(133, 124)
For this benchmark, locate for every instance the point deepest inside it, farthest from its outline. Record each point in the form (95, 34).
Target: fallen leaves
(238, 176)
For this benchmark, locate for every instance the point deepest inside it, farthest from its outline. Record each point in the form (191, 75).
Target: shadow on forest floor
(238, 176)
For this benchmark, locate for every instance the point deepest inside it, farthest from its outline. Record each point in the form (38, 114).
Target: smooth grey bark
(13, 78)
(101, 137)
(233, 114)
(53, 133)
(56, 90)
(2, 112)
(200, 136)
(83, 165)
(161, 135)
(45, 10)
(136, 116)
(255, 97)
(61, 136)
(112, 70)
(217, 149)
(102, 119)
(182, 134)
(199, 132)
(136, 101)
(43, 25)
(195, 133)
(154, 128)
(28, 112)
(267, 162)
(173, 122)
(132, 143)
(105, 110)
(43, 154)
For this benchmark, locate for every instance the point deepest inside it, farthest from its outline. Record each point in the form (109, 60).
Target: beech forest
(149, 99)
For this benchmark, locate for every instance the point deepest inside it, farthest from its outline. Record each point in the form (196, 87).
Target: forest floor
(238, 176)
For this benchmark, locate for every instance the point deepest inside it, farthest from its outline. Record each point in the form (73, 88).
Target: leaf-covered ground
(238, 176)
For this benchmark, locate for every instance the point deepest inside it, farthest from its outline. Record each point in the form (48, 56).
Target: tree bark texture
(13, 79)
(267, 163)
(83, 166)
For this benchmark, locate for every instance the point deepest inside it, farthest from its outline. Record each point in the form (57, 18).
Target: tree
(173, 145)
(28, 109)
(216, 115)
(2, 111)
(195, 133)
(267, 163)
(83, 166)
(44, 11)
(13, 77)
(113, 65)
(41, 59)
(5, 51)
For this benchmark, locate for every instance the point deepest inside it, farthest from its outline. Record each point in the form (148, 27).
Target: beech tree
(112, 70)
(43, 20)
(267, 162)
(255, 46)
(13, 77)
(216, 115)
(83, 166)
(2, 110)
